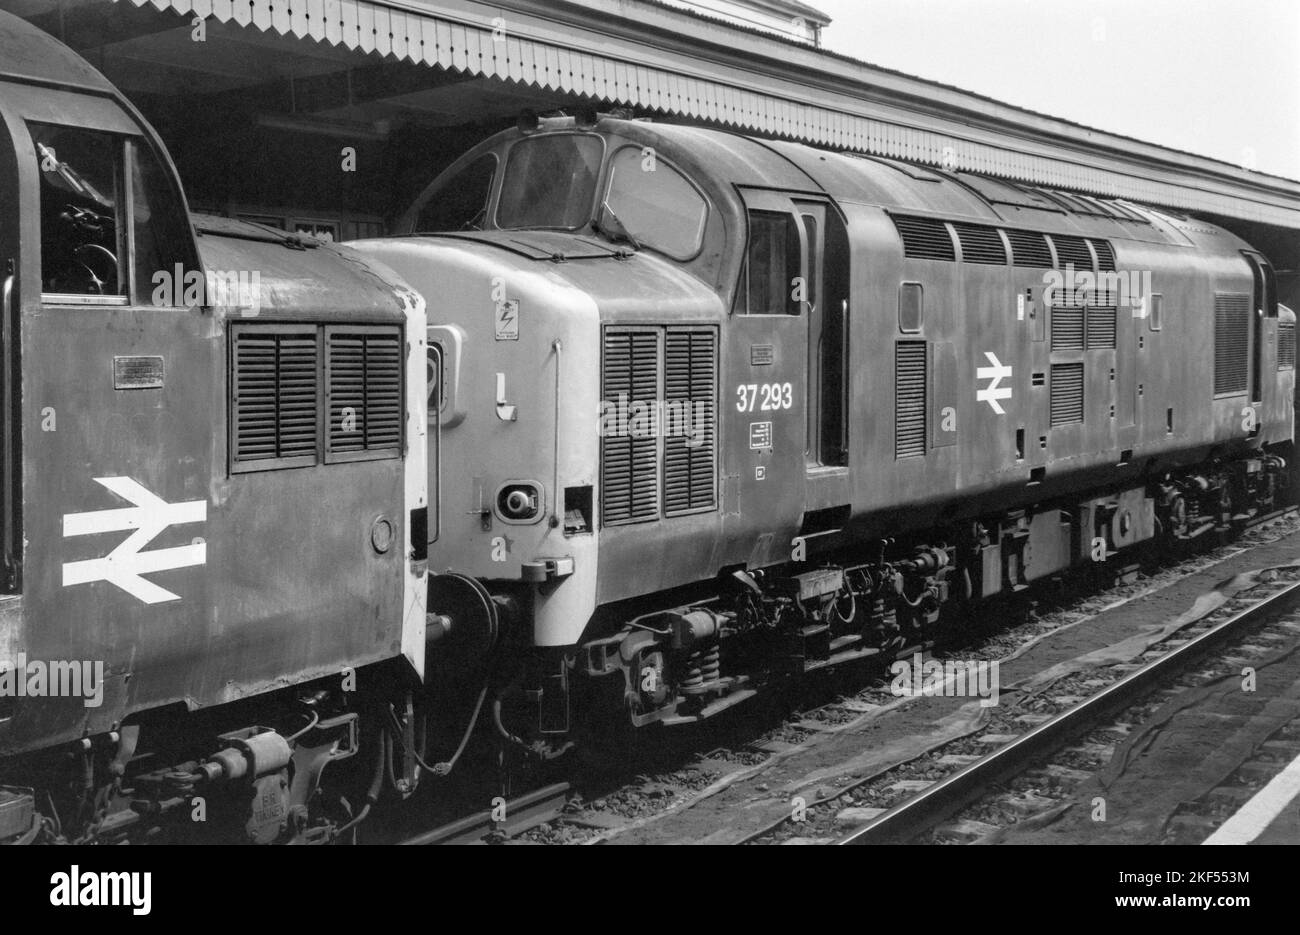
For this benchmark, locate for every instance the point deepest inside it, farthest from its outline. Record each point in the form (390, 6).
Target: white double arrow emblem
(126, 563)
(993, 392)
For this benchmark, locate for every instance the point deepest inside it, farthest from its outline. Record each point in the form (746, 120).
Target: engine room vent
(1100, 328)
(1072, 251)
(924, 238)
(1105, 254)
(1029, 248)
(690, 381)
(909, 398)
(1067, 328)
(274, 411)
(1231, 342)
(364, 380)
(629, 481)
(981, 244)
(1286, 345)
(1067, 394)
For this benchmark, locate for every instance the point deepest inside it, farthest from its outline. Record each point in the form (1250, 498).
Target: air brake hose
(376, 784)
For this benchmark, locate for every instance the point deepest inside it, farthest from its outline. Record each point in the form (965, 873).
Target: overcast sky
(1215, 77)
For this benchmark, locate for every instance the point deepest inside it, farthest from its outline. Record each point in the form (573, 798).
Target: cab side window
(81, 197)
(773, 264)
(462, 203)
(94, 250)
(159, 227)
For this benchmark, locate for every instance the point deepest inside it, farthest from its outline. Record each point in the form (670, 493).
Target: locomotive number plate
(137, 373)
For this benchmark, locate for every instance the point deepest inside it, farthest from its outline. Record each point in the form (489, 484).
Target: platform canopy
(491, 58)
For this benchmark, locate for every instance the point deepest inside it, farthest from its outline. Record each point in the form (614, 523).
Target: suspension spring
(703, 667)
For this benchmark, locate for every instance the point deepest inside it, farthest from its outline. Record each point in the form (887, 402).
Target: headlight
(519, 502)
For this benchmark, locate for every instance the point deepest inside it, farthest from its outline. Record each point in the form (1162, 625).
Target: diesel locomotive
(708, 411)
(627, 417)
(212, 493)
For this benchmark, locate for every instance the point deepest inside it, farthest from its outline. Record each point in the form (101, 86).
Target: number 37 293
(764, 397)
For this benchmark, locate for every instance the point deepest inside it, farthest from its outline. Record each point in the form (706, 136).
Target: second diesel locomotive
(708, 410)
(212, 495)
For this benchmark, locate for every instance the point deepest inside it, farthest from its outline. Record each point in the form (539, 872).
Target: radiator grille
(980, 244)
(1071, 251)
(1100, 328)
(1029, 248)
(629, 487)
(924, 238)
(364, 378)
(909, 398)
(274, 406)
(1286, 345)
(1231, 342)
(690, 376)
(1067, 328)
(1067, 393)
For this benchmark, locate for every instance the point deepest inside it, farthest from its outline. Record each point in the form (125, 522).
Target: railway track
(933, 805)
(508, 819)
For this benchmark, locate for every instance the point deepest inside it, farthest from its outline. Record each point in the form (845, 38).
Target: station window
(773, 265)
(550, 182)
(461, 203)
(656, 204)
(81, 197)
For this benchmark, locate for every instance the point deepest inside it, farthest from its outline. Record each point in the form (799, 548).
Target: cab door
(812, 218)
(765, 385)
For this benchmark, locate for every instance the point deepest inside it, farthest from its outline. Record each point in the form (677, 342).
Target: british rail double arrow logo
(125, 564)
(995, 373)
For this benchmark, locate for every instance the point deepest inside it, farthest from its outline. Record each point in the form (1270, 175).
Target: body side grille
(1286, 345)
(1029, 248)
(1067, 328)
(1071, 251)
(1101, 327)
(909, 398)
(690, 388)
(364, 380)
(924, 238)
(629, 486)
(1231, 342)
(274, 417)
(1066, 394)
(980, 244)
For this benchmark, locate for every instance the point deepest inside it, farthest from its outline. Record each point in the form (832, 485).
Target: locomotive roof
(906, 188)
(32, 56)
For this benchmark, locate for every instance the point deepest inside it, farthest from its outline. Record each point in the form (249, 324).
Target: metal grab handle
(8, 469)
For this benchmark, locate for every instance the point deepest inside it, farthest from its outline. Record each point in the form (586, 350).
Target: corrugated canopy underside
(593, 49)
